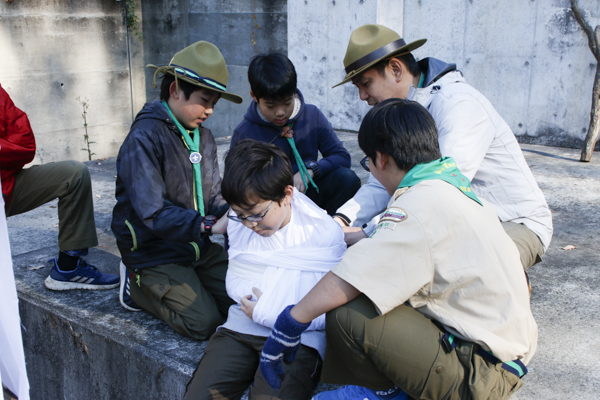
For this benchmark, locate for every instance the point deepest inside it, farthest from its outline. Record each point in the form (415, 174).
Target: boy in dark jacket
(169, 196)
(279, 115)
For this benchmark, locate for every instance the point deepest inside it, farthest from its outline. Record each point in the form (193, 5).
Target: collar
(444, 169)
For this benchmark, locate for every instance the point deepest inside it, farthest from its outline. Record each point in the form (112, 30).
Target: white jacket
(472, 132)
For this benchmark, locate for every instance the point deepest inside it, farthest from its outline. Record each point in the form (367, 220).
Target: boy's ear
(382, 160)
(289, 195)
(253, 97)
(173, 92)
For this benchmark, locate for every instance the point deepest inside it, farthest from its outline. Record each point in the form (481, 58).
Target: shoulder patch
(393, 214)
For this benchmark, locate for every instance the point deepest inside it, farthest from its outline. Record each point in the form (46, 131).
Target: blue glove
(283, 342)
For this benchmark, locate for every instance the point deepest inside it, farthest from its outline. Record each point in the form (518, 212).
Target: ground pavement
(84, 345)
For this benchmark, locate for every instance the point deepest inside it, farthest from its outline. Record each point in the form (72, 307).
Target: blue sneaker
(85, 276)
(124, 292)
(351, 392)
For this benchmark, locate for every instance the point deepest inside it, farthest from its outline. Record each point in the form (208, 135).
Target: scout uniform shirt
(450, 259)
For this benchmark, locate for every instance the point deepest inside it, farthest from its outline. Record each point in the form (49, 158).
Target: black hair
(402, 129)
(272, 76)
(186, 87)
(254, 172)
(407, 59)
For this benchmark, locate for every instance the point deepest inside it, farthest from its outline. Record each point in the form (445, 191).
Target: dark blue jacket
(312, 134)
(154, 220)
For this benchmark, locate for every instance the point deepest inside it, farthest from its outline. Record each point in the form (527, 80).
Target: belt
(515, 367)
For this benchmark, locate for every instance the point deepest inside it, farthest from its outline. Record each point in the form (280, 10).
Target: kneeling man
(432, 304)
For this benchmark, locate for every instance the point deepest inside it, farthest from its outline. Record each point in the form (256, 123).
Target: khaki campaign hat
(200, 64)
(370, 44)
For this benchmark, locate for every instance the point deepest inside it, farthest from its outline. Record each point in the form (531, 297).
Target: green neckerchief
(444, 169)
(301, 167)
(422, 80)
(193, 146)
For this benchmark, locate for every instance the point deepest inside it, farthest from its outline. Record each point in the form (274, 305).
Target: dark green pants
(70, 182)
(231, 363)
(191, 298)
(404, 348)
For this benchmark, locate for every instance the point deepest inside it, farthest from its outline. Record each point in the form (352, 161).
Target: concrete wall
(55, 51)
(530, 58)
(240, 29)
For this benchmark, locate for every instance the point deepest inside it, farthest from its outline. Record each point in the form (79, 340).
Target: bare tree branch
(593, 40)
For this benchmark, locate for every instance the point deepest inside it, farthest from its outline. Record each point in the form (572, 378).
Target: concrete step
(84, 345)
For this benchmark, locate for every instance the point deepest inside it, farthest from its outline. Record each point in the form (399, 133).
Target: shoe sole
(53, 284)
(122, 274)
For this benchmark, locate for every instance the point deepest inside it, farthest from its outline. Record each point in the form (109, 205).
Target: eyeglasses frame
(250, 218)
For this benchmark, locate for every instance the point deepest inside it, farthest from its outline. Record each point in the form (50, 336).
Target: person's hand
(298, 183)
(353, 234)
(248, 305)
(282, 343)
(220, 227)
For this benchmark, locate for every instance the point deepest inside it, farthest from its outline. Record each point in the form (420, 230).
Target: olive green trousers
(191, 298)
(528, 243)
(70, 182)
(404, 348)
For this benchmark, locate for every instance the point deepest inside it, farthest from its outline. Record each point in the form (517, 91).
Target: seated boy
(281, 245)
(279, 115)
(69, 181)
(168, 194)
(433, 305)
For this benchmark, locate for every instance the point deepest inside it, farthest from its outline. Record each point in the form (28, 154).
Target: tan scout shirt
(450, 258)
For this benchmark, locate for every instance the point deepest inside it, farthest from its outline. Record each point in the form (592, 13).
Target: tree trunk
(594, 44)
(594, 128)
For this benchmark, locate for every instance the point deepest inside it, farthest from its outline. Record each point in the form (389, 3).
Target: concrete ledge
(83, 344)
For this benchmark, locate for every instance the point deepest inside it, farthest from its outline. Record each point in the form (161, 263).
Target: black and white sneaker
(124, 292)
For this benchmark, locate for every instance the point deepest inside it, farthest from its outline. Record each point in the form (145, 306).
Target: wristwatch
(209, 221)
(314, 166)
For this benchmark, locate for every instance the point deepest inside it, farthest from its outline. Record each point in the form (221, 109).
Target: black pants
(335, 188)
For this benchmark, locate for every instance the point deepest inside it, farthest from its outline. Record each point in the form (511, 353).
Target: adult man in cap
(380, 64)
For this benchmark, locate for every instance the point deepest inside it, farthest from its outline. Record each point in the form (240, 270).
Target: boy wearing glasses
(168, 196)
(281, 245)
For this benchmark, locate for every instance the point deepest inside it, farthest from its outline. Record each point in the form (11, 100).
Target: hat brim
(234, 98)
(402, 50)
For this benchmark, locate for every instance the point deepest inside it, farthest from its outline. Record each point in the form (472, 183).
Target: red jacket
(17, 144)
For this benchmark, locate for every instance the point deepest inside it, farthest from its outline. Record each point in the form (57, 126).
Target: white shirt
(486, 151)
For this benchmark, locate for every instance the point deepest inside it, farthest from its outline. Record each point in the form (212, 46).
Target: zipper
(134, 248)
(195, 246)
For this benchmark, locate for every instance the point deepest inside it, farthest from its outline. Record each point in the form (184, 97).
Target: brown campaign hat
(200, 64)
(370, 44)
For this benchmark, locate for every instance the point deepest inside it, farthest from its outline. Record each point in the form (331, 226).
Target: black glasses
(365, 163)
(250, 218)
